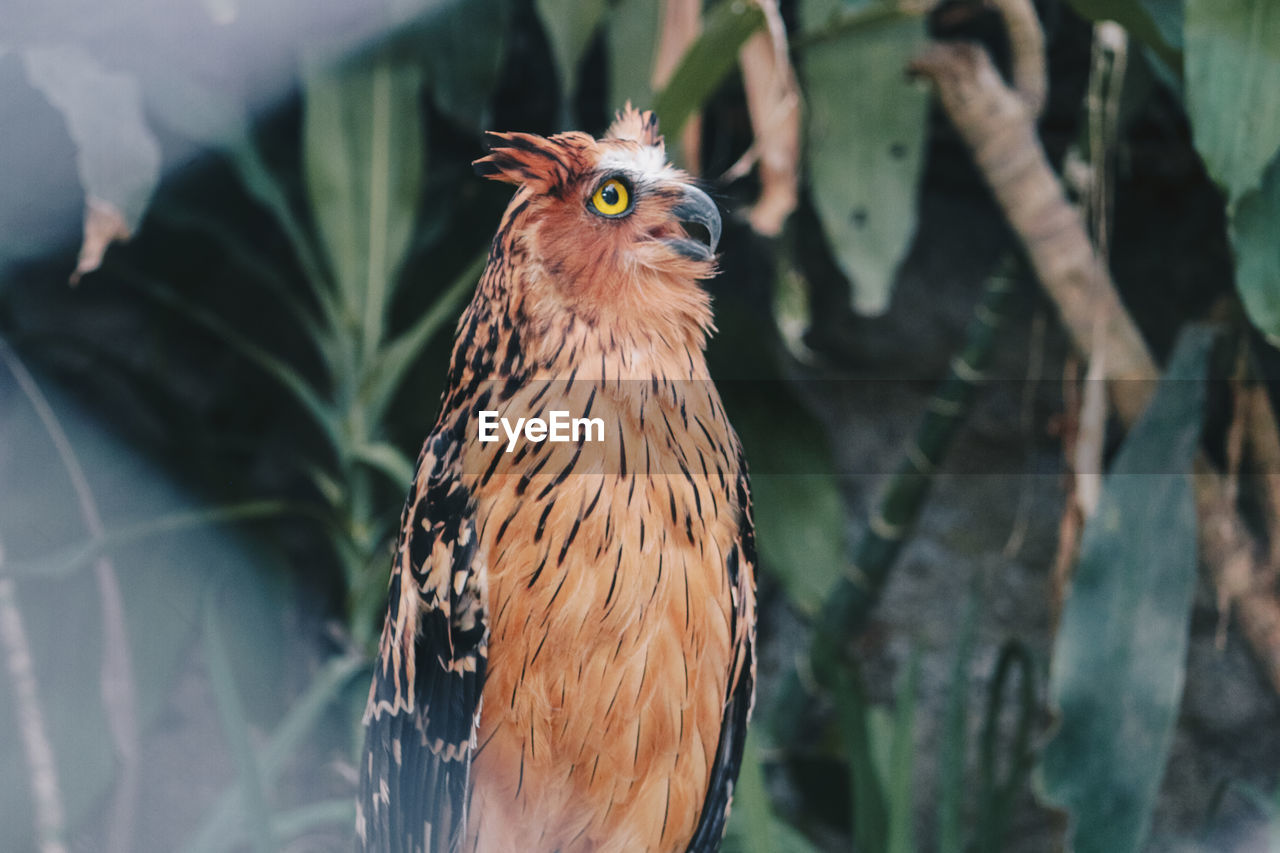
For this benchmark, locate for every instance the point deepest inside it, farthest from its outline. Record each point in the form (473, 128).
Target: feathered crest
(635, 125)
(548, 164)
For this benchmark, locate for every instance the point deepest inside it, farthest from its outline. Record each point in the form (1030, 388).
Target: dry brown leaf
(1091, 437)
(103, 225)
(1026, 41)
(1264, 443)
(773, 101)
(1070, 524)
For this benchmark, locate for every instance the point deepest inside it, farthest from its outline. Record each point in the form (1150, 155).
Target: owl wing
(425, 699)
(740, 566)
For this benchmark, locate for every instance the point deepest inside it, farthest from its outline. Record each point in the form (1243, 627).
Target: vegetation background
(1001, 347)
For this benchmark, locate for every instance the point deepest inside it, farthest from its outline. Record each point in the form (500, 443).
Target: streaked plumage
(568, 662)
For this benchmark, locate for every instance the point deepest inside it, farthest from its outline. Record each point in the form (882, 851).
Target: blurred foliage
(1232, 74)
(1120, 652)
(1155, 22)
(704, 66)
(1223, 54)
(360, 232)
(865, 142)
(163, 548)
(570, 26)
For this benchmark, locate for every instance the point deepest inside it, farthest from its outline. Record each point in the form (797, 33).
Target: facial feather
(634, 274)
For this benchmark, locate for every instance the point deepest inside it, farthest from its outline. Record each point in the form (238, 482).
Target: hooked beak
(696, 208)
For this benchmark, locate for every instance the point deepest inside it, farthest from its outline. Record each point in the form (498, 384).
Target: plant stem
(222, 829)
(847, 607)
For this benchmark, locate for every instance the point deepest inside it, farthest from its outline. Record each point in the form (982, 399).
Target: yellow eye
(612, 198)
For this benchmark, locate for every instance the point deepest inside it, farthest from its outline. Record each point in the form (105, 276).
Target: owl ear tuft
(545, 163)
(636, 125)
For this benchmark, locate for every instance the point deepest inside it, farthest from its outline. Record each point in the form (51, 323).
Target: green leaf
(865, 147)
(1157, 23)
(322, 414)
(394, 361)
(243, 251)
(387, 459)
(1120, 653)
(750, 822)
(632, 36)
(235, 726)
(465, 44)
(753, 826)
(901, 767)
(363, 157)
(952, 786)
(1255, 234)
(799, 529)
(799, 512)
(1233, 88)
(859, 727)
(570, 25)
(68, 560)
(706, 63)
(116, 153)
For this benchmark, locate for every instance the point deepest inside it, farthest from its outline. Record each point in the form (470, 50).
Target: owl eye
(612, 198)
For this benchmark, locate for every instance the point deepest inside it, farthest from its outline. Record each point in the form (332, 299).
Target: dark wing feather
(425, 697)
(740, 566)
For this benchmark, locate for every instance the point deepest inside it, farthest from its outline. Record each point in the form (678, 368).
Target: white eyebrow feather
(647, 162)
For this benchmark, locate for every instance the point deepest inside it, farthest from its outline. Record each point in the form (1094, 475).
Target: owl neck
(537, 328)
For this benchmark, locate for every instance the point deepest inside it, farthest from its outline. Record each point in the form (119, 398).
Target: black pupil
(609, 195)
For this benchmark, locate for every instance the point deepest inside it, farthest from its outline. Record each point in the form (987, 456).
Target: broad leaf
(1233, 88)
(570, 25)
(1120, 653)
(753, 826)
(465, 43)
(632, 36)
(706, 63)
(799, 512)
(865, 146)
(363, 154)
(1255, 233)
(395, 359)
(955, 730)
(899, 772)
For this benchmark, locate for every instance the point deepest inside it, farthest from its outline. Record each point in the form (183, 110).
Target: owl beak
(696, 208)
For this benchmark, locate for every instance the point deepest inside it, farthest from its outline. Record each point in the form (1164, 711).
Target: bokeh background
(1001, 346)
